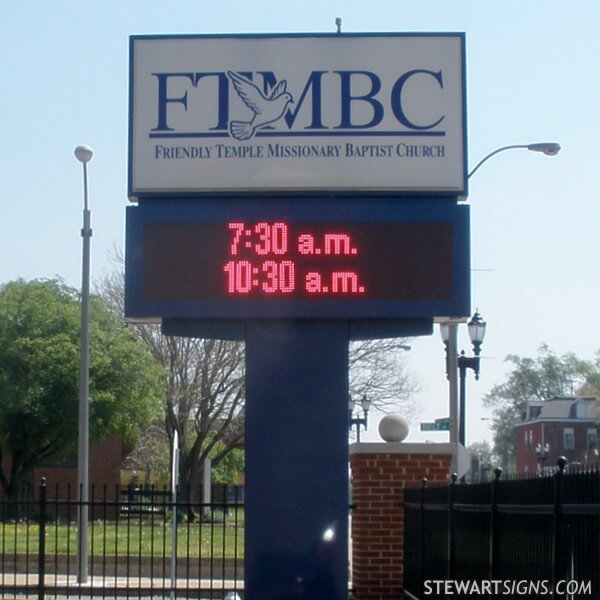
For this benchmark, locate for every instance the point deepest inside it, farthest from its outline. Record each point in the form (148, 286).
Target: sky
(531, 77)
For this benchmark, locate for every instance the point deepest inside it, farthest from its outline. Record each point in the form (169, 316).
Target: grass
(129, 538)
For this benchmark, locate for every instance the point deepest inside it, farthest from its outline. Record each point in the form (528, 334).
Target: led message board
(351, 113)
(228, 262)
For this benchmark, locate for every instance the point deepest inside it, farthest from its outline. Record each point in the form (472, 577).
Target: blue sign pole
(296, 460)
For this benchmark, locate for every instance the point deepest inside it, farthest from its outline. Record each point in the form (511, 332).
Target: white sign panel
(312, 113)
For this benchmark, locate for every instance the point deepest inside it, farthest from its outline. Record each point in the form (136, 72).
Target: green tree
(39, 374)
(483, 460)
(590, 370)
(230, 466)
(541, 378)
(483, 451)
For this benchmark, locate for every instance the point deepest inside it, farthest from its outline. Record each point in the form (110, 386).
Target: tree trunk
(17, 495)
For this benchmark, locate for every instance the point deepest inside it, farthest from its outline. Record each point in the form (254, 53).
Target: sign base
(296, 460)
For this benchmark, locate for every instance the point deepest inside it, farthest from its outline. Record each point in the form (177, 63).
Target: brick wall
(105, 458)
(379, 475)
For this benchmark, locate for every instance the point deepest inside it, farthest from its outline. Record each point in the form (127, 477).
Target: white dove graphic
(266, 109)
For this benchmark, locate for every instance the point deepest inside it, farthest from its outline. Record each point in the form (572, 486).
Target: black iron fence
(531, 538)
(142, 544)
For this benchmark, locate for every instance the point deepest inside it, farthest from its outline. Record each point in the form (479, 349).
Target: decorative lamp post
(476, 327)
(84, 154)
(365, 404)
(542, 451)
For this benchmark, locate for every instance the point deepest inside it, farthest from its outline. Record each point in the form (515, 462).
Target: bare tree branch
(204, 396)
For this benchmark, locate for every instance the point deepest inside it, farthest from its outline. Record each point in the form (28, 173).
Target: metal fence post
(42, 542)
(558, 551)
(451, 489)
(494, 524)
(421, 530)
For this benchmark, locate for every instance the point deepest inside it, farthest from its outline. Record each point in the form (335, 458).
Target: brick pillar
(380, 472)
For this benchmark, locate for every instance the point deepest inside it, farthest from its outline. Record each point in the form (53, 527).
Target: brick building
(105, 456)
(558, 427)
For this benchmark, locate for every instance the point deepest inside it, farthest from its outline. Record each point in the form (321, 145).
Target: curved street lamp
(449, 329)
(547, 148)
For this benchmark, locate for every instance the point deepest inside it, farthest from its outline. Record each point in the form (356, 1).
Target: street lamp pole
(464, 363)
(449, 332)
(84, 154)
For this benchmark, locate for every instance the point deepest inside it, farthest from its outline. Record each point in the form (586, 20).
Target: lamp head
(83, 154)
(365, 403)
(542, 450)
(476, 328)
(547, 148)
(351, 403)
(445, 332)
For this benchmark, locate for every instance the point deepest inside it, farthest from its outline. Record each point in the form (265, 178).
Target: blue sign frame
(137, 306)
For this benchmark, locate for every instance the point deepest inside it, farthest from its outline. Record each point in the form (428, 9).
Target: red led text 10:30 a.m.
(273, 258)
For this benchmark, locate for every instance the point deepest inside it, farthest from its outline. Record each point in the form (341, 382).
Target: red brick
(377, 522)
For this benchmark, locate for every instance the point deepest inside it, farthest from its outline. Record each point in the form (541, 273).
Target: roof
(580, 408)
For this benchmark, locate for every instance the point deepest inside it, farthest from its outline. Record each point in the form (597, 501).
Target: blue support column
(296, 460)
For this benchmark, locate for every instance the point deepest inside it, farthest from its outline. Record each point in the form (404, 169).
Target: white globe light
(83, 153)
(393, 428)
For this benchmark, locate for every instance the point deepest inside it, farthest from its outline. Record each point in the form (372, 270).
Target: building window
(568, 438)
(592, 439)
(535, 412)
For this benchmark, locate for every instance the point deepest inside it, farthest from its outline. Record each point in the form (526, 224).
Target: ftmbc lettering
(205, 101)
